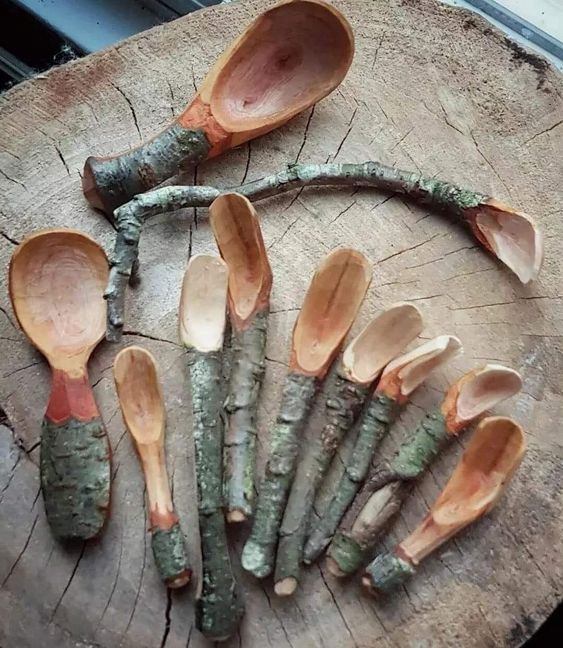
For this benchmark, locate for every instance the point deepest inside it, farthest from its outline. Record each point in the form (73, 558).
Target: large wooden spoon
(57, 280)
(142, 405)
(288, 59)
(486, 467)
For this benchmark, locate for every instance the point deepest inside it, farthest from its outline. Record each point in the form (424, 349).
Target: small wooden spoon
(56, 283)
(142, 405)
(239, 239)
(288, 59)
(487, 465)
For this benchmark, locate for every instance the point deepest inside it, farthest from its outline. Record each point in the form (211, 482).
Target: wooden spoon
(486, 467)
(239, 239)
(288, 59)
(142, 405)
(203, 304)
(331, 304)
(56, 283)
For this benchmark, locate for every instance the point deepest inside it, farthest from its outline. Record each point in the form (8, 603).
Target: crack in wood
(73, 573)
(131, 108)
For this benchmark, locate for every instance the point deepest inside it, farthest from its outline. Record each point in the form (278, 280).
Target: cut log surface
(431, 87)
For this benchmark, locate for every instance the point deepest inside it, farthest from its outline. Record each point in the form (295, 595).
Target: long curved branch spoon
(56, 283)
(511, 236)
(202, 316)
(288, 59)
(329, 309)
(487, 465)
(142, 406)
(388, 484)
(364, 358)
(239, 239)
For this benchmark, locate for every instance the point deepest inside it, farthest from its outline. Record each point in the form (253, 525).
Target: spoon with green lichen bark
(330, 306)
(142, 405)
(203, 305)
(487, 465)
(238, 236)
(56, 285)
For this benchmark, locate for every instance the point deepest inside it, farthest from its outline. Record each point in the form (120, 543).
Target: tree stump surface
(431, 87)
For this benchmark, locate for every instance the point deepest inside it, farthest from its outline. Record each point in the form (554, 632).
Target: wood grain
(430, 87)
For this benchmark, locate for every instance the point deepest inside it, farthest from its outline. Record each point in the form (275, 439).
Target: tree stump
(431, 87)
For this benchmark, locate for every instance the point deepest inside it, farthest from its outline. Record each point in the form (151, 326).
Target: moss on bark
(383, 494)
(108, 183)
(75, 469)
(343, 403)
(259, 551)
(170, 555)
(388, 571)
(247, 373)
(220, 606)
(372, 427)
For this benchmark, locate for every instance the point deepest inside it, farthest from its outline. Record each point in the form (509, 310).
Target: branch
(485, 216)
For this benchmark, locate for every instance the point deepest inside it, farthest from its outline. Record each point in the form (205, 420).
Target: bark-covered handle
(75, 476)
(386, 572)
(372, 427)
(109, 182)
(219, 607)
(170, 556)
(247, 373)
(259, 551)
(343, 403)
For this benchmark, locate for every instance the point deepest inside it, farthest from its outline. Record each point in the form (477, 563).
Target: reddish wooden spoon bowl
(57, 280)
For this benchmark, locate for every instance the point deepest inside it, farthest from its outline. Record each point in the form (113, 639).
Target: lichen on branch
(259, 551)
(462, 204)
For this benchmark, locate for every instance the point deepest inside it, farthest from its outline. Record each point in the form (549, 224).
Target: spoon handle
(75, 461)
(167, 538)
(111, 181)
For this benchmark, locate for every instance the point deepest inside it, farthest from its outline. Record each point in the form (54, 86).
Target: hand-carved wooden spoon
(57, 280)
(203, 306)
(239, 239)
(142, 405)
(329, 309)
(288, 59)
(486, 467)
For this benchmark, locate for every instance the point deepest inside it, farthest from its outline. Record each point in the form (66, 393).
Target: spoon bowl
(56, 283)
(237, 232)
(291, 57)
(330, 306)
(380, 341)
(57, 280)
